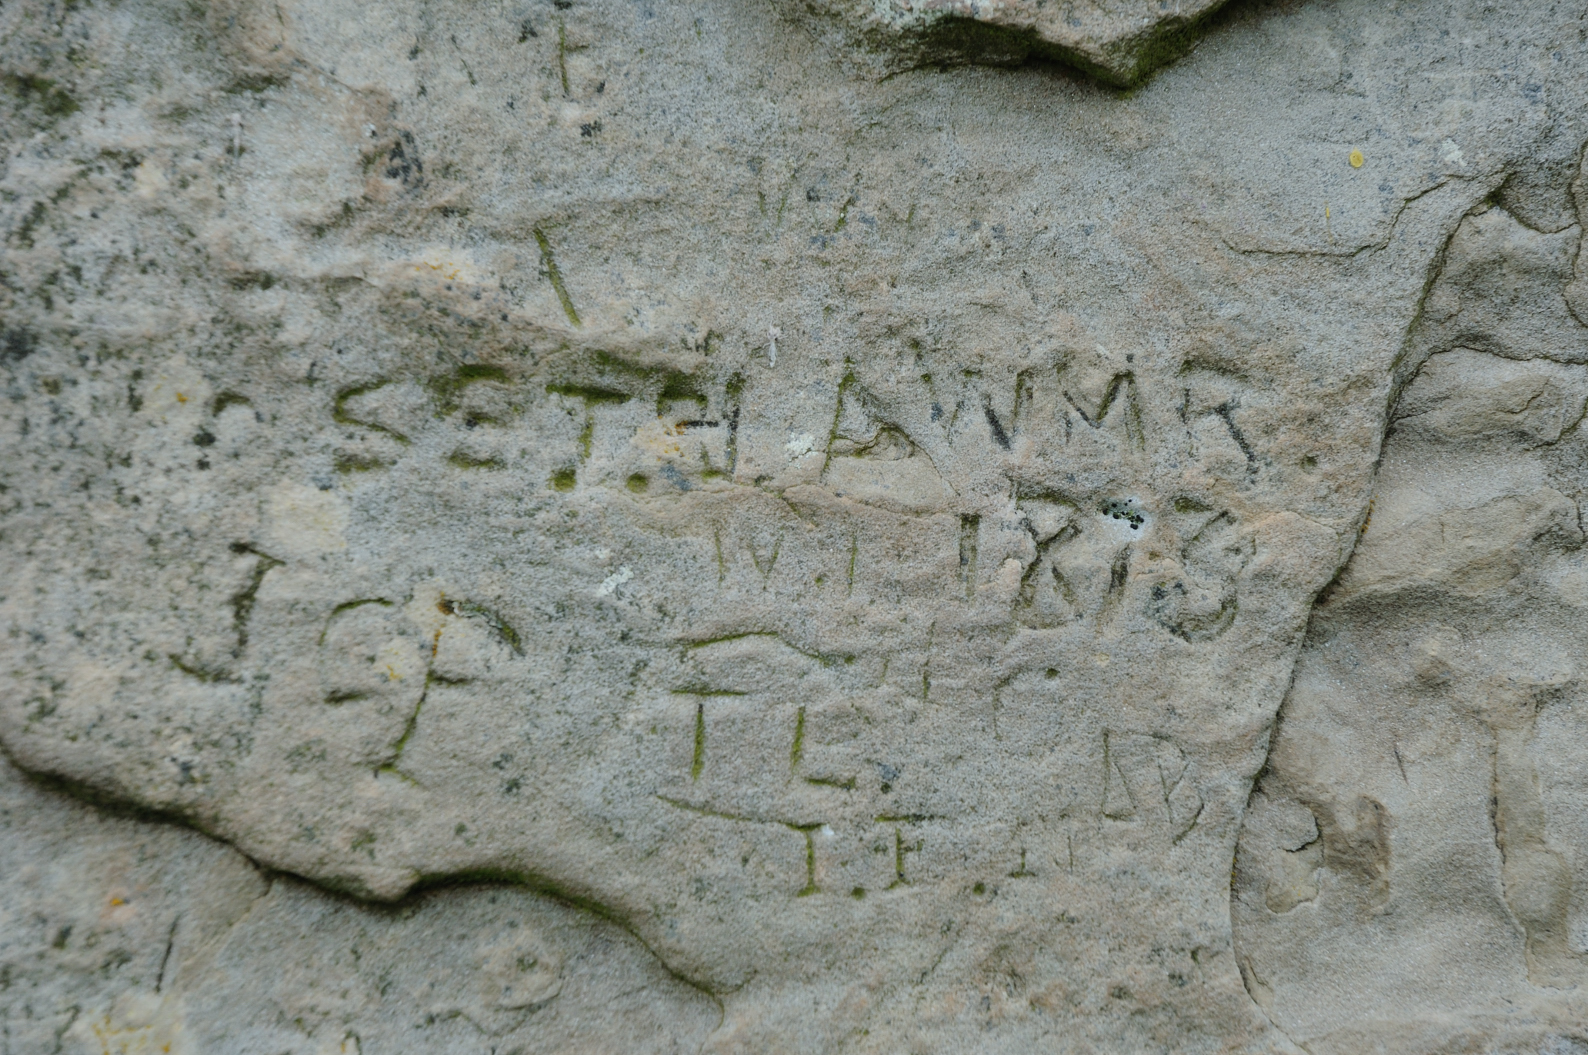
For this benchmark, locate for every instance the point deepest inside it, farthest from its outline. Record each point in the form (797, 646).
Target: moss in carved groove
(448, 387)
(554, 274)
(340, 415)
(461, 460)
(699, 761)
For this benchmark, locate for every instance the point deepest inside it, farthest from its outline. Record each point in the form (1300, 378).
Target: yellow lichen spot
(449, 271)
(1357, 159)
(180, 398)
(660, 438)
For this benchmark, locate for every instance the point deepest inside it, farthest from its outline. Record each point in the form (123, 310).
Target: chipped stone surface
(662, 526)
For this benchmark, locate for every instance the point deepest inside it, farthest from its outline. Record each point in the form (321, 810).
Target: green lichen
(43, 93)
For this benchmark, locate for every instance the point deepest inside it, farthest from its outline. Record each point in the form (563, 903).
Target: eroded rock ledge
(1119, 42)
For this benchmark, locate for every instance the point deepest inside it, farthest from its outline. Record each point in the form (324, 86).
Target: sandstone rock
(1411, 867)
(1416, 834)
(819, 542)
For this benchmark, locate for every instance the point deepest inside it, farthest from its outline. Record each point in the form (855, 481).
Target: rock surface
(709, 528)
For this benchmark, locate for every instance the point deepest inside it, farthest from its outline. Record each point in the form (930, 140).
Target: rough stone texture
(756, 547)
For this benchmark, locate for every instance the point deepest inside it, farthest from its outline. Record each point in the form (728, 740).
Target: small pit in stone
(1124, 510)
